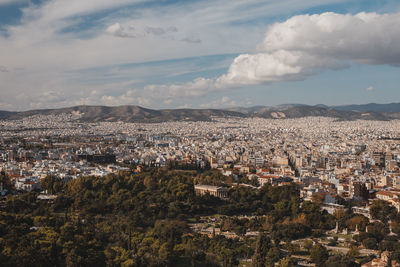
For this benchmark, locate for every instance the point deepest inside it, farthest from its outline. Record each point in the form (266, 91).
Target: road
(345, 250)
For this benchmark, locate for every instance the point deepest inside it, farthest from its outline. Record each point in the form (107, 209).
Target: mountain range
(370, 111)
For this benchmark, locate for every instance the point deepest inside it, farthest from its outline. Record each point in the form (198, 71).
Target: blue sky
(198, 54)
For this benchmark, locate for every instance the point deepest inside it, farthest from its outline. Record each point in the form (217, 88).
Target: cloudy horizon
(197, 54)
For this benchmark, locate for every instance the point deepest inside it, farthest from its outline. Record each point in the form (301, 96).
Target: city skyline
(197, 54)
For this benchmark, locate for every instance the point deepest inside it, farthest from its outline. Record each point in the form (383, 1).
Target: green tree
(5, 181)
(381, 210)
(340, 260)
(292, 248)
(263, 244)
(273, 255)
(229, 259)
(307, 244)
(286, 262)
(353, 252)
(51, 183)
(319, 254)
(370, 243)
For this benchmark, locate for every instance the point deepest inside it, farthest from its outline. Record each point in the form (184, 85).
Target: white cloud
(43, 57)
(155, 30)
(8, 2)
(192, 40)
(119, 31)
(371, 88)
(223, 102)
(367, 38)
(54, 10)
(184, 106)
(4, 105)
(129, 98)
(271, 67)
(39, 40)
(305, 45)
(195, 88)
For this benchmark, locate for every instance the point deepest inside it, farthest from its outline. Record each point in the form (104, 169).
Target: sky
(198, 53)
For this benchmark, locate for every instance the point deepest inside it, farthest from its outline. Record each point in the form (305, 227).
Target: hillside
(140, 114)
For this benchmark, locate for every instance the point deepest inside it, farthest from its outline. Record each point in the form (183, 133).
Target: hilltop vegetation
(144, 220)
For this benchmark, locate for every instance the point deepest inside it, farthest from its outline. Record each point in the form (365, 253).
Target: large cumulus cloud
(368, 38)
(305, 45)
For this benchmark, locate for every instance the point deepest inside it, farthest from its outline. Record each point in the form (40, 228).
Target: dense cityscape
(311, 150)
(199, 133)
(348, 169)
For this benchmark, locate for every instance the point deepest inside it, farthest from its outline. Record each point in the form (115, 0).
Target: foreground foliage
(142, 220)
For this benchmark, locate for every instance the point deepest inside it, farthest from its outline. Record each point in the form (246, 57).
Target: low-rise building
(216, 191)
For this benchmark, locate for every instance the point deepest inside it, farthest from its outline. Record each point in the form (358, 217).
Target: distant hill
(299, 111)
(5, 114)
(127, 114)
(392, 107)
(140, 114)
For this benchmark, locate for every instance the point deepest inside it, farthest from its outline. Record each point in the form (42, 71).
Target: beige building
(216, 191)
(387, 195)
(383, 261)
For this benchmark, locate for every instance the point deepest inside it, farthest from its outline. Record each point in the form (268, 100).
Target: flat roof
(209, 187)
